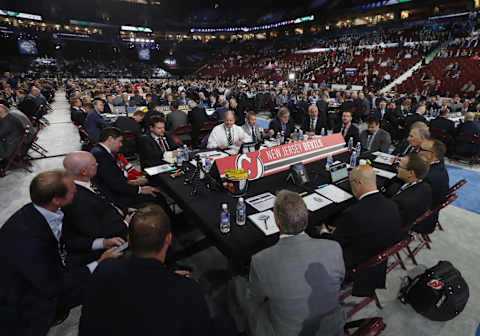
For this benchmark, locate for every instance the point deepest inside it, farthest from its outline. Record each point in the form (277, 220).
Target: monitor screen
(144, 54)
(27, 47)
(338, 172)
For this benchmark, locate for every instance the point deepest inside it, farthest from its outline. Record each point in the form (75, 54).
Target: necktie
(369, 141)
(284, 127)
(312, 125)
(254, 137)
(229, 136)
(162, 144)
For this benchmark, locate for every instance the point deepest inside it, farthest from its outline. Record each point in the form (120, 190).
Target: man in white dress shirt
(250, 128)
(227, 134)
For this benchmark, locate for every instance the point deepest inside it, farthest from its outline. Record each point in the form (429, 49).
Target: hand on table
(112, 242)
(186, 274)
(238, 143)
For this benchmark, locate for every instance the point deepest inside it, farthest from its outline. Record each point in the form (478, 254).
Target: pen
(303, 194)
(321, 186)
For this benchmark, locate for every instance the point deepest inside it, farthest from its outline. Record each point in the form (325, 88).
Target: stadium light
(291, 76)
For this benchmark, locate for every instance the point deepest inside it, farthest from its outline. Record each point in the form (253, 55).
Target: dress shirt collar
(154, 136)
(285, 235)
(54, 220)
(408, 185)
(85, 185)
(367, 194)
(106, 148)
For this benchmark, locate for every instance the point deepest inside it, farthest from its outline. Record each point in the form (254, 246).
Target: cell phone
(121, 248)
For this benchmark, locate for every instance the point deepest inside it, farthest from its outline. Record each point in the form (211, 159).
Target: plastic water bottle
(241, 212)
(353, 159)
(179, 158)
(208, 165)
(358, 148)
(322, 133)
(282, 138)
(295, 135)
(329, 162)
(186, 154)
(350, 144)
(300, 136)
(224, 219)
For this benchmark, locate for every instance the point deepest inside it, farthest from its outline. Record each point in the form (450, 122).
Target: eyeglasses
(400, 167)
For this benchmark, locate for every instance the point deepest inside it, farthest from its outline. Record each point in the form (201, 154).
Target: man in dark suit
(26, 104)
(110, 179)
(77, 115)
(433, 152)
(314, 122)
(419, 133)
(282, 123)
(136, 99)
(35, 285)
(374, 138)
(175, 118)
(443, 123)
(137, 294)
(381, 111)
(366, 228)
(91, 223)
(469, 128)
(11, 132)
(238, 110)
(153, 145)
(414, 197)
(322, 106)
(95, 122)
(196, 117)
(108, 104)
(347, 129)
(414, 117)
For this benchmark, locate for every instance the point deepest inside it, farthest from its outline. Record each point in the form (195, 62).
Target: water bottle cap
(224, 206)
(241, 199)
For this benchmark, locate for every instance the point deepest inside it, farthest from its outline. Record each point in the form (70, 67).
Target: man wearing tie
(348, 129)
(227, 134)
(314, 123)
(419, 133)
(374, 138)
(382, 109)
(282, 123)
(95, 122)
(251, 129)
(155, 143)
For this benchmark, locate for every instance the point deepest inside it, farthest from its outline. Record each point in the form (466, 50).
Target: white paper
(232, 150)
(207, 155)
(158, 169)
(315, 202)
(334, 193)
(262, 202)
(384, 173)
(384, 158)
(265, 221)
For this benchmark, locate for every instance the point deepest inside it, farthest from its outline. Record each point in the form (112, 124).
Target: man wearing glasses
(414, 197)
(433, 152)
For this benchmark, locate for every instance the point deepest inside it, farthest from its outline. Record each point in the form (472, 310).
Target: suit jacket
(276, 125)
(403, 148)
(11, 132)
(28, 106)
(89, 217)
(321, 123)
(196, 117)
(287, 278)
(363, 230)
(414, 202)
(412, 118)
(33, 277)
(176, 119)
(94, 124)
(155, 297)
(353, 132)
(111, 181)
(380, 114)
(77, 116)
(151, 153)
(381, 141)
(444, 124)
(438, 179)
(468, 128)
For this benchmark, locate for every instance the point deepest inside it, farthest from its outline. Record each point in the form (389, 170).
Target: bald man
(227, 134)
(470, 128)
(91, 223)
(366, 228)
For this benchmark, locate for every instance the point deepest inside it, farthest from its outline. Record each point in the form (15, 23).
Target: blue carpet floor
(469, 194)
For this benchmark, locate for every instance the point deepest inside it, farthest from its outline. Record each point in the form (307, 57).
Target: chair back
(367, 327)
(456, 186)
(472, 139)
(184, 129)
(208, 126)
(420, 219)
(441, 134)
(451, 198)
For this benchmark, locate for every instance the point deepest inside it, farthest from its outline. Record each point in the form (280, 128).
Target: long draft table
(244, 241)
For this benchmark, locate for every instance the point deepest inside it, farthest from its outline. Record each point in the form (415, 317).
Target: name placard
(279, 158)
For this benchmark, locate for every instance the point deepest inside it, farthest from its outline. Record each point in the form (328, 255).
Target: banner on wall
(144, 54)
(27, 47)
(273, 160)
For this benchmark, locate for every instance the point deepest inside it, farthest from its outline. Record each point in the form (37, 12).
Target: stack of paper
(334, 193)
(384, 158)
(159, 169)
(265, 221)
(262, 202)
(315, 202)
(384, 173)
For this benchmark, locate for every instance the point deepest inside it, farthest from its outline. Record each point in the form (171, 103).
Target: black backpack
(440, 293)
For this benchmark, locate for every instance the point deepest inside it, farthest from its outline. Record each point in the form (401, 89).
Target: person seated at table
(36, 284)
(175, 118)
(469, 128)
(287, 278)
(414, 197)
(153, 145)
(282, 123)
(196, 117)
(11, 132)
(110, 179)
(91, 223)
(138, 294)
(433, 152)
(366, 228)
(227, 134)
(314, 123)
(250, 128)
(443, 123)
(136, 99)
(347, 128)
(419, 132)
(375, 139)
(95, 122)
(414, 117)
(77, 114)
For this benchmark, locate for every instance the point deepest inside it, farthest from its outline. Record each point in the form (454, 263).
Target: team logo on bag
(435, 284)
